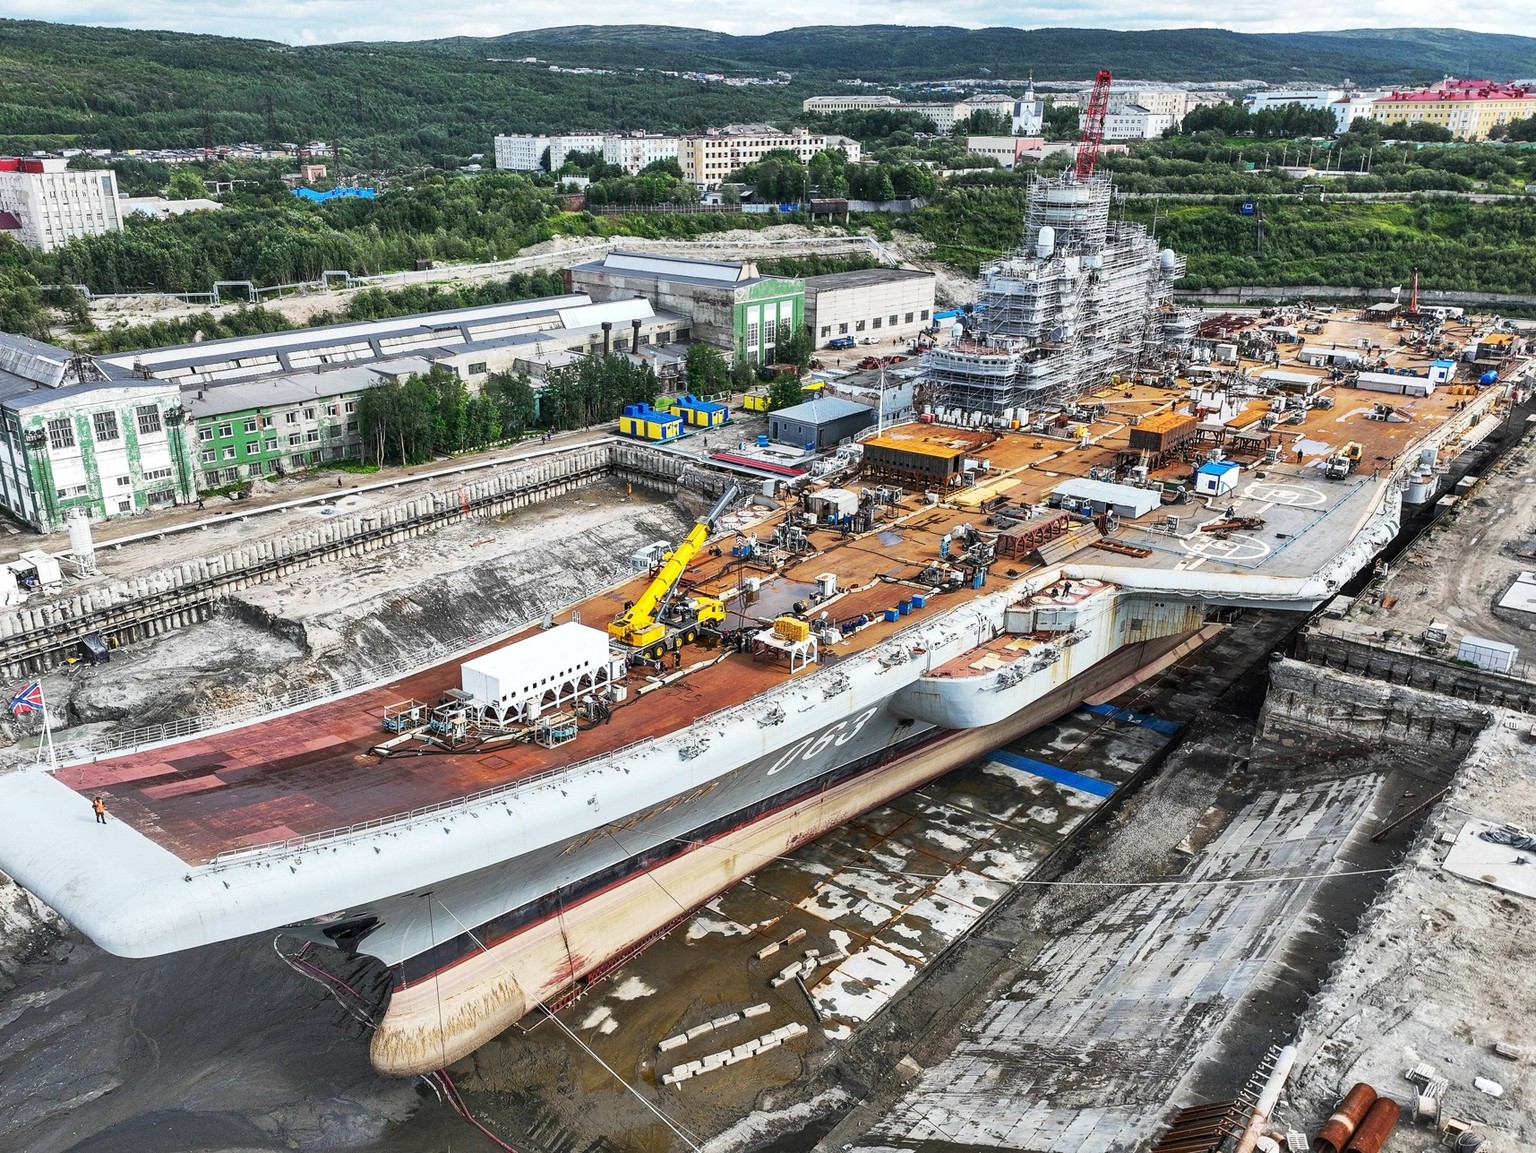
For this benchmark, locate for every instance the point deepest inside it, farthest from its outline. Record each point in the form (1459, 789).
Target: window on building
(350, 406)
(125, 506)
(290, 418)
(682, 334)
(826, 330)
(332, 410)
(249, 425)
(231, 475)
(309, 414)
(294, 438)
(207, 456)
(123, 481)
(909, 318)
(752, 335)
(226, 430)
(924, 314)
(875, 323)
(61, 432)
(149, 419)
(859, 327)
(351, 426)
(477, 368)
(270, 444)
(893, 320)
(842, 329)
(312, 435)
(154, 474)
(229, 452)
(105, 426)
(266, 421)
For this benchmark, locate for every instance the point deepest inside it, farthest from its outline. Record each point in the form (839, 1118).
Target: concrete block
(713, 1062)
(811, 954)
(768, 1043)
(667, 1044)
(728, 1019)
(755, 1010)
(781, 979)
(797, 935)
(768, 950)
(699, 1030)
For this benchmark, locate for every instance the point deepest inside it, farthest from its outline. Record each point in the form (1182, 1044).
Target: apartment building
(831, 104)
(1347, 105)
(709, 158)
(1133, 122)
(44, 204)
(1469, 109)
(1172, 102)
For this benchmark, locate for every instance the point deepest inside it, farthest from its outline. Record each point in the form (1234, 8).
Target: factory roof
(860, 277)
(33, 373)
(294, 388)
(824, 408)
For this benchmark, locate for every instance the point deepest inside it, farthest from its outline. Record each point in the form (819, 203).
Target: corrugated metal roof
(823, 409)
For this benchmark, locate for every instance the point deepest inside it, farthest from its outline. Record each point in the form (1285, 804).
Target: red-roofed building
(1470, 109)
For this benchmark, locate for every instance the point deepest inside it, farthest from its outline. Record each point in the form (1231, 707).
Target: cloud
(326, 21)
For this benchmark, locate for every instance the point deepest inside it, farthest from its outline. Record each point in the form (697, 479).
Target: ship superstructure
(1084, 300)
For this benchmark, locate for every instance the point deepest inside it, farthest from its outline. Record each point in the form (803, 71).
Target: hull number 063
(835, 736)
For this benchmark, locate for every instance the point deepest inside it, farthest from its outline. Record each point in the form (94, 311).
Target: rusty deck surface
(311, 771)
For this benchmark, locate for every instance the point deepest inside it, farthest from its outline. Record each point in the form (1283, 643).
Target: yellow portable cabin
(647, 423)
(698, 413)
(756, 400)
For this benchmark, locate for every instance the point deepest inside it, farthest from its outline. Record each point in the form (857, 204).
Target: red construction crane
(1093, 125)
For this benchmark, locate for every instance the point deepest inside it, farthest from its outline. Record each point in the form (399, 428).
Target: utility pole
(1258, 210)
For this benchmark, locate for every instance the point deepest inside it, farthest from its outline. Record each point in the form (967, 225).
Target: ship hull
(479, 978)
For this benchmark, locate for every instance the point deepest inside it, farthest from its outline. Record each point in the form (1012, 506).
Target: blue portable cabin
(700, 413)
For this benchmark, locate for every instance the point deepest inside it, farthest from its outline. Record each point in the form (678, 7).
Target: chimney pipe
(634, 345)
(607, 337)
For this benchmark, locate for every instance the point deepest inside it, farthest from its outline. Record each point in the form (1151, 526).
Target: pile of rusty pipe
(1376, 1127)
(1334, 1136)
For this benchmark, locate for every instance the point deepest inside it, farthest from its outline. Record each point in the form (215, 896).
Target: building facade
(731, 305)
(1133, 122)
(1469, 109)
(1172, 102)
(47, 204)
(80, 434)
(520, 153)
(885, 303)
(708, 159)
(830, 104)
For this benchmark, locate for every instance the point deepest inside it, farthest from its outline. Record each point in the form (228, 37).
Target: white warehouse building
(870, 302)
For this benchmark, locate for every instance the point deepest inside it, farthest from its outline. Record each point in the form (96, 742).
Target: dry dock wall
(1349, 707)
(41, 633)
(1416, 670)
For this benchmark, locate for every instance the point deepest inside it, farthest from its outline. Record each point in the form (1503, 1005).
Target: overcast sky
(322, 21)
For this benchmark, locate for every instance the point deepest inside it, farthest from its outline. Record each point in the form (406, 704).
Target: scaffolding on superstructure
(1082, 301)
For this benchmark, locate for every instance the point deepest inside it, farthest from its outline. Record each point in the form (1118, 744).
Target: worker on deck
(99, 806)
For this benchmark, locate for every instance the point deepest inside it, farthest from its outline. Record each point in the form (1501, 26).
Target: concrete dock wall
(41, 633)
(1416, 670)
(1313, 698)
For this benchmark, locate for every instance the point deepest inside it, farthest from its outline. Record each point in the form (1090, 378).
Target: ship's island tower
(1083, 300)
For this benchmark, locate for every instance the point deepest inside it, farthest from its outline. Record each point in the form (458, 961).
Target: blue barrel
(762, 440)
(1488, 377)
(904, 608)
(891, 615)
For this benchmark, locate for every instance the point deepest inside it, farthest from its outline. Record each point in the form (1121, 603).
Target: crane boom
(1092, 129)
(639, 624)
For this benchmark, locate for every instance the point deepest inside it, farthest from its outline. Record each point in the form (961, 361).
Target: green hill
(402, 102)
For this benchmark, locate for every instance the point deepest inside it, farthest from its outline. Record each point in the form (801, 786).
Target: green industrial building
(732, 305)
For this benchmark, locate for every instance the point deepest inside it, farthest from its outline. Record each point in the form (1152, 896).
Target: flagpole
(47, 739)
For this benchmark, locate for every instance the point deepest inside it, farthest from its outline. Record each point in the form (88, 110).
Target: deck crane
(643, 624)
(1092, 132)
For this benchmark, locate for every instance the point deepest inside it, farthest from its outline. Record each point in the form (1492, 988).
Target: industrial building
(819, 423)
(731, 304)
(926, 455)
(84, 434)
(880, 302)
(45, 204)
(1083, 300)
(829, 104)
(1469, 109)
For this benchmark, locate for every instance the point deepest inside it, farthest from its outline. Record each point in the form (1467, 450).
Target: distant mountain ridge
(439, 100)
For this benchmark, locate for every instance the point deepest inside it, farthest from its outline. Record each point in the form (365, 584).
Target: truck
(841, 342)
(1342, 463)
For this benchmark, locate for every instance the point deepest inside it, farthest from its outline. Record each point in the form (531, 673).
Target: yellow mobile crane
(643, 623)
